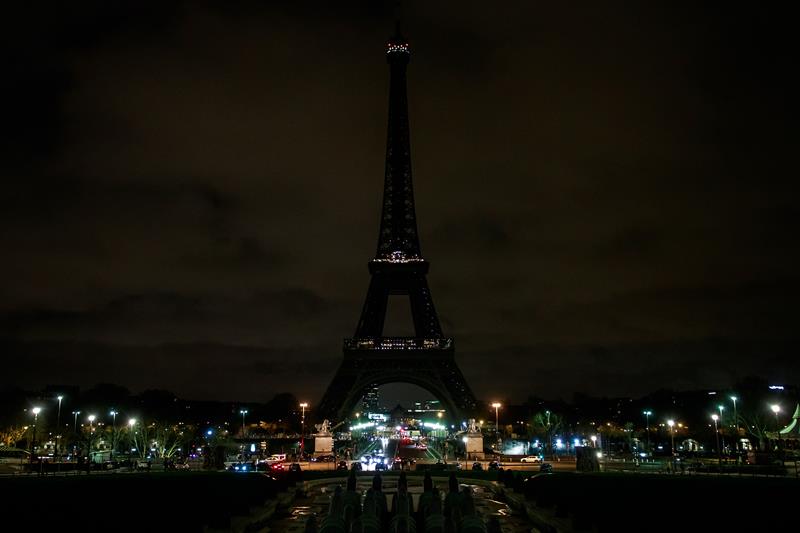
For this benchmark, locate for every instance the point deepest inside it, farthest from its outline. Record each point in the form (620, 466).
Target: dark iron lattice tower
(370, 359)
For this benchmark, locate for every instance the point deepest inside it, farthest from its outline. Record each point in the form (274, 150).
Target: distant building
(426, 407)
(371, 401)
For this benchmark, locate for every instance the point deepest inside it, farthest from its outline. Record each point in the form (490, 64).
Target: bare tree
(159, 439)
(10, 435)
(757, 424)
(546, 424)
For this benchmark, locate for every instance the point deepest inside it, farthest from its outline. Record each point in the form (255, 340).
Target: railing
(397, 343)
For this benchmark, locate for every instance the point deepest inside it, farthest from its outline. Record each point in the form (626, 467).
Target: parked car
(323, 459)
(531, 459)
(477, 466)
(343, 465)
(494, 465)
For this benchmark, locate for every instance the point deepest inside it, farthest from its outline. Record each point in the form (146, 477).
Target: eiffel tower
(370, 359)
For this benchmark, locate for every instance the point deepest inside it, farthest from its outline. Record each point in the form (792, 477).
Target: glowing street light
(594, 441)
(35, 411)
(113, 413)
(671, 424)
(776, 409)
(735, 420)
(58, 424)
(714, 417)
(647, 425)
(243, 412)
(303, 428)
(497, 406)
(75, 426)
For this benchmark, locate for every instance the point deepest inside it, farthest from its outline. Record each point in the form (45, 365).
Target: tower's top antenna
(398, 16)
(397, 47)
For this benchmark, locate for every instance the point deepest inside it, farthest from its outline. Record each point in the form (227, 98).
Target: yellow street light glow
(304, 405)
(670, 423)
(497, 405)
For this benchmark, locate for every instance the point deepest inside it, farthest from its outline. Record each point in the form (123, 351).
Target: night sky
(192, 191)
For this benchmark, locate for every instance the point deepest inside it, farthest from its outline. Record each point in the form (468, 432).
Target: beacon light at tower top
(397, 47)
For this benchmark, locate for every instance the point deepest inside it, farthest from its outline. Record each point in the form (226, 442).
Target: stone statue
(324, 429)
(472, 427)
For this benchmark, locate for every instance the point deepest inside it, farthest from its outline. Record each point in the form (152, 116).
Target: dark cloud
(604, 192)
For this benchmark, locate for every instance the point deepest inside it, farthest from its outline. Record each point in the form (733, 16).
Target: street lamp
(647, 426)
(714, 417)
(35, 411)
(736, 421)
(91, 434)
(721, 407)
(776, 409)
(113, 413)
(594, 441)
(243, 412)
(303, 429)
(497, 405)
(671, 424)
(131, 423)
(58, 424)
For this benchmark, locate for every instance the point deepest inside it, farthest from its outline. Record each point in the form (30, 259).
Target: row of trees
(157, 440)
(755, 424)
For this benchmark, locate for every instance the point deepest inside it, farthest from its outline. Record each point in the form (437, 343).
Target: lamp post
(113, 414)
(714, 417)
(497, 406)
(35, 411)
(58, 425)
(647, 426)
(303, 429)
(776, 409)
(91, 437)
(243, 412)
(549, 437)
(735, 421)
(721, 407)
(131, 423)
(671, 424)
